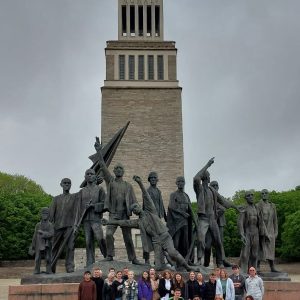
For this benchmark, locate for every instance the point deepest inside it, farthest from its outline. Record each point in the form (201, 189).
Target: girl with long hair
(144, 287)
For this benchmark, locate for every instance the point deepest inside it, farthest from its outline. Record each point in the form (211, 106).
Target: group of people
(121, 285)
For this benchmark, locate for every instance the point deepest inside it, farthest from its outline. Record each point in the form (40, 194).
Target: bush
(290, 249)
(232, 240)
(20, 202)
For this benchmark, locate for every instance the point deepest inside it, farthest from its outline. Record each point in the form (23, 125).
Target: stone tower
(141, 86)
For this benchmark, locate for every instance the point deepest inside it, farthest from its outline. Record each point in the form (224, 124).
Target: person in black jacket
(238, 282)
(117, 286)
(99, 281)
(107, 292)
(165, 285)
(202, 285)
(192, 286)
(210, 290)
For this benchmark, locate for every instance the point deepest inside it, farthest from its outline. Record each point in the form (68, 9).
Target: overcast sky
(238, 64)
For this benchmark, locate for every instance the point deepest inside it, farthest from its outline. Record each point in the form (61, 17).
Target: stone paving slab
(4, 284)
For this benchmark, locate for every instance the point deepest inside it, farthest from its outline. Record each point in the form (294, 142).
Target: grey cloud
(238, 64)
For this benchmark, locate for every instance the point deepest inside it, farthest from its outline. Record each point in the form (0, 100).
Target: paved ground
(4, 283)
(11, 274)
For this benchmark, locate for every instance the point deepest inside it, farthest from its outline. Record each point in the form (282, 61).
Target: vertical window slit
(132, 20)
(141, 20)
(124, 20)
(149, 20)
(157, 20)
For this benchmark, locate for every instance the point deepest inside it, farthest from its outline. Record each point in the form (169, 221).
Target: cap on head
(45, 210)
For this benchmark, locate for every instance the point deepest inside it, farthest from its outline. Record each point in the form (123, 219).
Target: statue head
(45, 213)
(205, 177)
(265, 194)
(66, 184)
(249, 196)
(153, 178)
(136, 209)
(119, 170)
(215, 185)
(90, 176)
(180, 182)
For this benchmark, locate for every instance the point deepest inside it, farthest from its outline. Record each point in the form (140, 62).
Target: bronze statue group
(172, 236)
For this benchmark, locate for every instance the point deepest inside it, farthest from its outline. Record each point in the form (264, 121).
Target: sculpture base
(77, 276)
(68, 291)
(274, 276)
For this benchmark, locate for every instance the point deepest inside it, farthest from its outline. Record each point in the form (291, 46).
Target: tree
(290, 248)
(232, 240)
(20, 202)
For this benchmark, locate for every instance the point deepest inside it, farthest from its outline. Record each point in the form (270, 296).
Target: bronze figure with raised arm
(207, 199)
(153, 230)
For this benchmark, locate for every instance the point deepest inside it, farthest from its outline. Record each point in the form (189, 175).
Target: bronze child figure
(42, 242)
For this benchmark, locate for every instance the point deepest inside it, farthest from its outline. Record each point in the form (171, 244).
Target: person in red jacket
(87, 288)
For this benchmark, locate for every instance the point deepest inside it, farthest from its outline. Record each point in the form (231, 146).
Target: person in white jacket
(254, 285)
(225, 286)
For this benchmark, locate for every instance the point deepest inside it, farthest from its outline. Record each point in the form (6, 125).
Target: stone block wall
(110, 65)
(274, 291)
(154, 140)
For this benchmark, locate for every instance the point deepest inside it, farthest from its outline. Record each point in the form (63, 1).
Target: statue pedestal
(274, 290)
(274, 276)
(77, 276)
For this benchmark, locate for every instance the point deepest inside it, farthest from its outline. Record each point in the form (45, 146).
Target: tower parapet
(141, 20)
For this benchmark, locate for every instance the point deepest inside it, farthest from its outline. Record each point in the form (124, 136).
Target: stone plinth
(275, 290)
(77, 276)
(68, 291)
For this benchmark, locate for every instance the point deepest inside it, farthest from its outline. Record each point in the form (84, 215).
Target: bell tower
(141, 86)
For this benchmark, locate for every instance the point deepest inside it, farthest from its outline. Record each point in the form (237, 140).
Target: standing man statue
(221, 223)
(63, 214)
(153, 230)
(267, 211)
(92, 198)
(249, 229)
(180, 218)
(207, 199)
(120, 197)
(156, 196)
